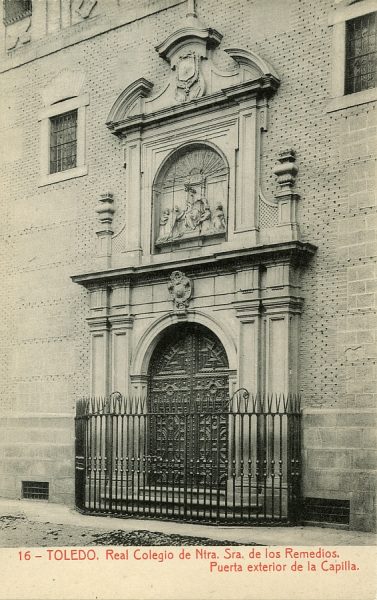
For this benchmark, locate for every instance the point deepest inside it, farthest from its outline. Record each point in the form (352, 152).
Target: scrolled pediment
(130, 101)
(195, 83)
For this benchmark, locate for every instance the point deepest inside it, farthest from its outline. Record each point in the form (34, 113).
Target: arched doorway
(188, 387)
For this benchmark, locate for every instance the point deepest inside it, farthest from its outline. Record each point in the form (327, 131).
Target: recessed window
(361, 53)
(63, 153)
(63, 142)
(15, 10)
(35, 490)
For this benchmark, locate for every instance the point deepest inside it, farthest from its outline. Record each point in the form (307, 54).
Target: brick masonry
(47, 235)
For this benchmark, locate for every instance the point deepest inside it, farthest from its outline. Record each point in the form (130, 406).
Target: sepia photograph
(188, 279)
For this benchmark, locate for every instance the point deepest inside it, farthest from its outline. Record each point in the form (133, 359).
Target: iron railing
(206, 460)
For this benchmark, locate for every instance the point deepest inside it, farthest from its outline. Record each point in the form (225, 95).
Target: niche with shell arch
(190, 198)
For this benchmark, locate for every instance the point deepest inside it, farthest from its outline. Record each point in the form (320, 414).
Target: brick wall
(48, 235)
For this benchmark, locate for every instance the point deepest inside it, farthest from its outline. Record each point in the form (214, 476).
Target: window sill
(352, 100)
(63, 175)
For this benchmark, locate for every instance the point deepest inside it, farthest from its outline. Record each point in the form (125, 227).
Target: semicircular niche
(190, 198)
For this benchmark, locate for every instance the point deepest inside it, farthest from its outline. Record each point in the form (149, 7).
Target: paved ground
(25, 523)
(19, 531)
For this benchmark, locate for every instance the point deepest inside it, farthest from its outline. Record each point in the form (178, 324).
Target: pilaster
(139, 386)
(99, 355)
(247, 171)
(133, 206)
(249, 316)
(121, 345)
(280, 343)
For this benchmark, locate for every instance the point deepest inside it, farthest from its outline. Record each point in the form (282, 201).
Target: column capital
(98, 323)
(121, 321)
(283, 304)
(248, 312)
(139, 378)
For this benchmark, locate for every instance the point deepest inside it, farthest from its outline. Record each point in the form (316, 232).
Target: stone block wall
(340, 460)
(47, 235)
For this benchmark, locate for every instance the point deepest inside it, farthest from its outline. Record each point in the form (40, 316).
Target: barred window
(361, 53)
(15, 10)
(63, 142)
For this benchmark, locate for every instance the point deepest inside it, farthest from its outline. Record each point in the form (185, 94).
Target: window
(15, 10)
(63, 142)
(354, 53)
(35, 490)
(361, 54)
(63, 152)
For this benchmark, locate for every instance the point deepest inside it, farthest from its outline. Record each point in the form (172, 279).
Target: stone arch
(150, 338)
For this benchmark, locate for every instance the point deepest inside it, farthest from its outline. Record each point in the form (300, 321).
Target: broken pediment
(196, 81)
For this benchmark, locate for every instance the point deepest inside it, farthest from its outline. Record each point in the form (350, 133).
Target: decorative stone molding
(129, 102)
(180, 290)
(286, 172)
(221, 113)
(66, 84)
(193, 76)
(105, 231)
(106, 211)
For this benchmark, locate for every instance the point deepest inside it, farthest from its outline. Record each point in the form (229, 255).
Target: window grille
(361, 53)
(15, 10)
(35, 490)
(63, 142)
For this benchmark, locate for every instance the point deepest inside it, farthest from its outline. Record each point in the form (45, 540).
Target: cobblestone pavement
(19, 532)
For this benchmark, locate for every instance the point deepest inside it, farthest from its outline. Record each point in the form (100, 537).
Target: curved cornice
(134, 92)
(250, 59)
(212, 37)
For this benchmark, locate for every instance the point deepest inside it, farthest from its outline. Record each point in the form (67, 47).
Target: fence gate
(234, 461)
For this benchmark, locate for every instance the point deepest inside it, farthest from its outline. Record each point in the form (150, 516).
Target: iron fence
(202, 460)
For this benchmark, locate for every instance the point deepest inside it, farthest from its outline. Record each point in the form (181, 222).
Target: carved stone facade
(214, 195)
(191, 249)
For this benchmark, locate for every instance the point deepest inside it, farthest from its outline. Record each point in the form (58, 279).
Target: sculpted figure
(192, 210)
(219, 223)
(176, 228)
(205, 218)
(165, 224)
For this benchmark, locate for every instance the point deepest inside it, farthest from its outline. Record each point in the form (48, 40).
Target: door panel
(188, 386)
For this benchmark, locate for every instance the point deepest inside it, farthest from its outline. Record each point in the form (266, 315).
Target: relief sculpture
(192, 202)
(195, 219)
(189, 82)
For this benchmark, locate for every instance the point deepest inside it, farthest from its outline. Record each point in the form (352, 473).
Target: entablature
(295, 253)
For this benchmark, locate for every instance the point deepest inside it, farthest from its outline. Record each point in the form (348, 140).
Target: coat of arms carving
(189, 82)
(180, 290)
